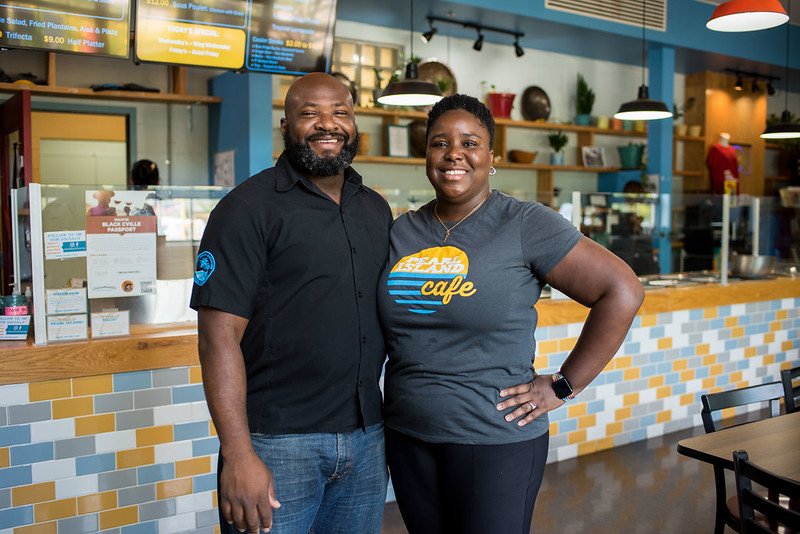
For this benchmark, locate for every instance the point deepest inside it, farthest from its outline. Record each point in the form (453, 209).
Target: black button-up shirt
(304, 271)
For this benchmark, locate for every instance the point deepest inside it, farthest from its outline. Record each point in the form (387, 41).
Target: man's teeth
(327, 141)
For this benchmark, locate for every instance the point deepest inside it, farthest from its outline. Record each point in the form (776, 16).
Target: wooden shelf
(688, 174)
(690, 139)
(83, 92)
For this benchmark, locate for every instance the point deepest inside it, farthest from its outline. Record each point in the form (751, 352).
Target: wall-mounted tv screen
(98, 27)
(280, 36)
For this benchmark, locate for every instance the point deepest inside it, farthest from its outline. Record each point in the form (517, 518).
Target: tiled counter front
(653, 385)
(128, 453)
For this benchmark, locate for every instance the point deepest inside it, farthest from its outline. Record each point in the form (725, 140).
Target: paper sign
(66, 301)
(67, 327)
(106, 324)
(14, 326)
(62, 245)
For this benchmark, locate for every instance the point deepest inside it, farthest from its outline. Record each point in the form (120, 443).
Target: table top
(773, 444)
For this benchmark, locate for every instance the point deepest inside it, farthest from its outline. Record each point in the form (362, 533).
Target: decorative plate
(439, 74)
(535, 104)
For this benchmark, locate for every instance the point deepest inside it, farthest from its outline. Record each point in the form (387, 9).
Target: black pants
(447, 488)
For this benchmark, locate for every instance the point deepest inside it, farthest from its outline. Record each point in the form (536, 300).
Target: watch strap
(559, 376)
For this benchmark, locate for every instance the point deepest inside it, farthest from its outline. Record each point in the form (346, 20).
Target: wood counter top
(175, 345)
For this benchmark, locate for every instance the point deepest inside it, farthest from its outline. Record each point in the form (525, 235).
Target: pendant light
(410, 91)
(643, 108)
(747, 16)
(786, 129)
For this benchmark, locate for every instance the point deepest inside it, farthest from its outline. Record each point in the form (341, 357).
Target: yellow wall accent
(649, 320)
(576, 410)
(119, 517)
(48, 511)
(664, 392)
(92, 385)
(212, 430)
(702, 348)
(4, 460)
(687, 375)
(195, 374)
(173, 488)
(154, 435)
(737, 332)
(546, 347)
(577, 436)
(715, 370)
(781, 314)
(96, 502)
(587, 447)
(769, 337)
(567, 343)
(52, 389)
(730, 322)
(680, 365)
(553, 428)
(749, 352)
(655, 381)
(710, 313)
(786, 345)
(687, 398)
(622, 414)
(195, 466)
(623, 362)
(94, 424)
(774, 326)
(632, 373)
(45, 491)
(709, 360)
(736, 376)
(630, 399)
(613, 428)
(587, 421)
(602, 444)
(665, 343)
(38, 528)
(769, 358)
(663, 417)
(135, 457)
(73, 407)
(708, 382)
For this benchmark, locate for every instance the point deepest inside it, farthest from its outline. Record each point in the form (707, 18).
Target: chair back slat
(791, 390)
(771, 392)
(750, 502)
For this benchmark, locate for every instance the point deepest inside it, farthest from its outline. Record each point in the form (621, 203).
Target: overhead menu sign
(97, 27)
(289, 36)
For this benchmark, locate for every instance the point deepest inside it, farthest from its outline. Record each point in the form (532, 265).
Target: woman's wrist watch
(561, 387)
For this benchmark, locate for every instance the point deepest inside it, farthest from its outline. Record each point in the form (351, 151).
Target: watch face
(562, 388)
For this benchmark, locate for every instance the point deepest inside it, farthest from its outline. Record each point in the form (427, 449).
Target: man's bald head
(315, 86)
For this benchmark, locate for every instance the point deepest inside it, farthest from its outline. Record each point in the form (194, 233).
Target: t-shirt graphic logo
(428, 279)
(204, 267)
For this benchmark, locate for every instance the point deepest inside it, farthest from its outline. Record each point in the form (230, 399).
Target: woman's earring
(492, 171)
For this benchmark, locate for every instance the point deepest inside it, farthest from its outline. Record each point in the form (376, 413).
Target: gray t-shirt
(459, 317)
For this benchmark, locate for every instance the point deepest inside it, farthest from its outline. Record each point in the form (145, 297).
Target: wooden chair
(790, 389)
(727, 511)
(758, 513)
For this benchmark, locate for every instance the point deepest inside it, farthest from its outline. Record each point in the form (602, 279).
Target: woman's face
(458, 157)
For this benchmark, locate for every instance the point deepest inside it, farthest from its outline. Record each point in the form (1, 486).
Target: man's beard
(303, 157)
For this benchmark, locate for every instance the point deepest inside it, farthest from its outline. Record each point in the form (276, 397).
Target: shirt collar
(288, 176)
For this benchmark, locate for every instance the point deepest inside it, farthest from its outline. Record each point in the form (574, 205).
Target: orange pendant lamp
(747, 16)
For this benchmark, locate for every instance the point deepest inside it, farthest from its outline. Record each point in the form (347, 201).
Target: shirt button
(360, 294)
(354, 250)
(360, 384)
(363, 339)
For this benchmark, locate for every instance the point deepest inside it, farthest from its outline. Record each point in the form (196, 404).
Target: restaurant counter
(108, 433)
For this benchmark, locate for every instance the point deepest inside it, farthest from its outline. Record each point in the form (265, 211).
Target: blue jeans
(326, 483)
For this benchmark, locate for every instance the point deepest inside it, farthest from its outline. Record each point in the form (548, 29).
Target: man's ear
(283, 126)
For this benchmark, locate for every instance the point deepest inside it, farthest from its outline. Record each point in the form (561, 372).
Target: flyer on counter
(67, 327)
(63, 245)
(120, 244)
(14, 326)
(66, 301)
(107, 324)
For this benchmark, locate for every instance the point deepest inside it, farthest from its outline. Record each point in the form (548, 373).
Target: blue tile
(15, 476)
(633, 347)
(724, 311)
(204, 447)
(648, 420)
(557, 415)
(701, 372)
(155, 473)
(206, 482)
(15, 435)
(687, 351)
(596, 406)
(723, 380)
(730, 344)
(14, 517)
(656, 332)
(131, 381)
(679, 389)
(639, 435)
(664, 368)
(672, 378)
(97, 463)
(612, 377)
(30, 454)
(696, 315)
(657, 357)
(568, 425)
(600, 380)
(647, 371)
(151, 527)
(186, 431)
(193, 393)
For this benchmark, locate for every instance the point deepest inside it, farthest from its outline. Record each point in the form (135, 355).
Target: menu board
(283, 36)
(97, 27)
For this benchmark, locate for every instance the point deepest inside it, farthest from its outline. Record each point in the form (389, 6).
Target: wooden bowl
(521, 156)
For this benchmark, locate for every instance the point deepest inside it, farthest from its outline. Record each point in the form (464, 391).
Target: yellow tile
(782, 314)
(567, 343)
(52, 389)
(630, 399)
(749, 352)
(769, 359)
(546, 347)
(45, 491)
(553, 431)
(212, 429)
(47, 511)
(709, 359)
(664, 417)
(774, 326)
(72, 407)
(727, 413)
(96, 502)
(214, 497)
(605, 444)
(136, 457)
(655, 381)
(153, 435)
(715, 389)
(4, 461)
(587, 448)
(769, 337)
(680, 365)
(730, 322)
(542, 361)
(665, 343)
(119, 517)
(715, 370)
(687, 398)
(195, 374)
(576, 410)
(649, 320)
(710, 313)
(38, 528)
(687, 375)
(735, 377)
(786, 345)
(737, 332)
(702, 348)
(194, 466)
(94, 424)
(613, 429)
(577, 436)
(217, 528)
(587, 421)
(92, 385)
(173, 488)
(663, 392)
(622, 414)
(623, 361)
(631, 373)
(708, 383)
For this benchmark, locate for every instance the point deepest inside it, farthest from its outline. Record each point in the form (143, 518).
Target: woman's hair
(143, 173)
(464, 103)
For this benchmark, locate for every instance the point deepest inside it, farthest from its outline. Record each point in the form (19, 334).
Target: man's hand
(247, 493)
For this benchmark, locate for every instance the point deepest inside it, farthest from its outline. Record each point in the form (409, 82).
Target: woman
(466, 447)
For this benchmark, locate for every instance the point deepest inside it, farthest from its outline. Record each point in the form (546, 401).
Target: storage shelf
(83, 92)
(690, 138)
(688, 174)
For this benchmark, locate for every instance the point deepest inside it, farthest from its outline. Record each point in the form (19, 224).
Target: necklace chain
(447, 230)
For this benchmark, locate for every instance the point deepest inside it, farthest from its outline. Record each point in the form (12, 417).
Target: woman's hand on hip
(530, 400)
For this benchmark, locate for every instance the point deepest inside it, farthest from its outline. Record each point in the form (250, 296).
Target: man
(289, 339)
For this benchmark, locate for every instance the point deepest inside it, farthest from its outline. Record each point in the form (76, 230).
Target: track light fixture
(755, 88)
(480, 28)
(428, 35)
(770, 88)
(739, 85)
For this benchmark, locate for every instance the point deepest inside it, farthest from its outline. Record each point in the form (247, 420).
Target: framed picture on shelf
(398, 141)
(593, 156)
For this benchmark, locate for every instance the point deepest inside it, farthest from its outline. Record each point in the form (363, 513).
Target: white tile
(53, 470)
(194, 502)
(177, 523)
(647, 395)
(566, 452)
(593, 433)
(172, 452)
(73, 487)
(200, 411)
(655, 430)
(14, 394)
(214, 462)
(172, 414)
(53, 430)
(695, 385)
(574, 329)
(115, 441)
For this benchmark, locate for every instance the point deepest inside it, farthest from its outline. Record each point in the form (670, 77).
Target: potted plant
(557, 141)
(499, 103)
(584, 101)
